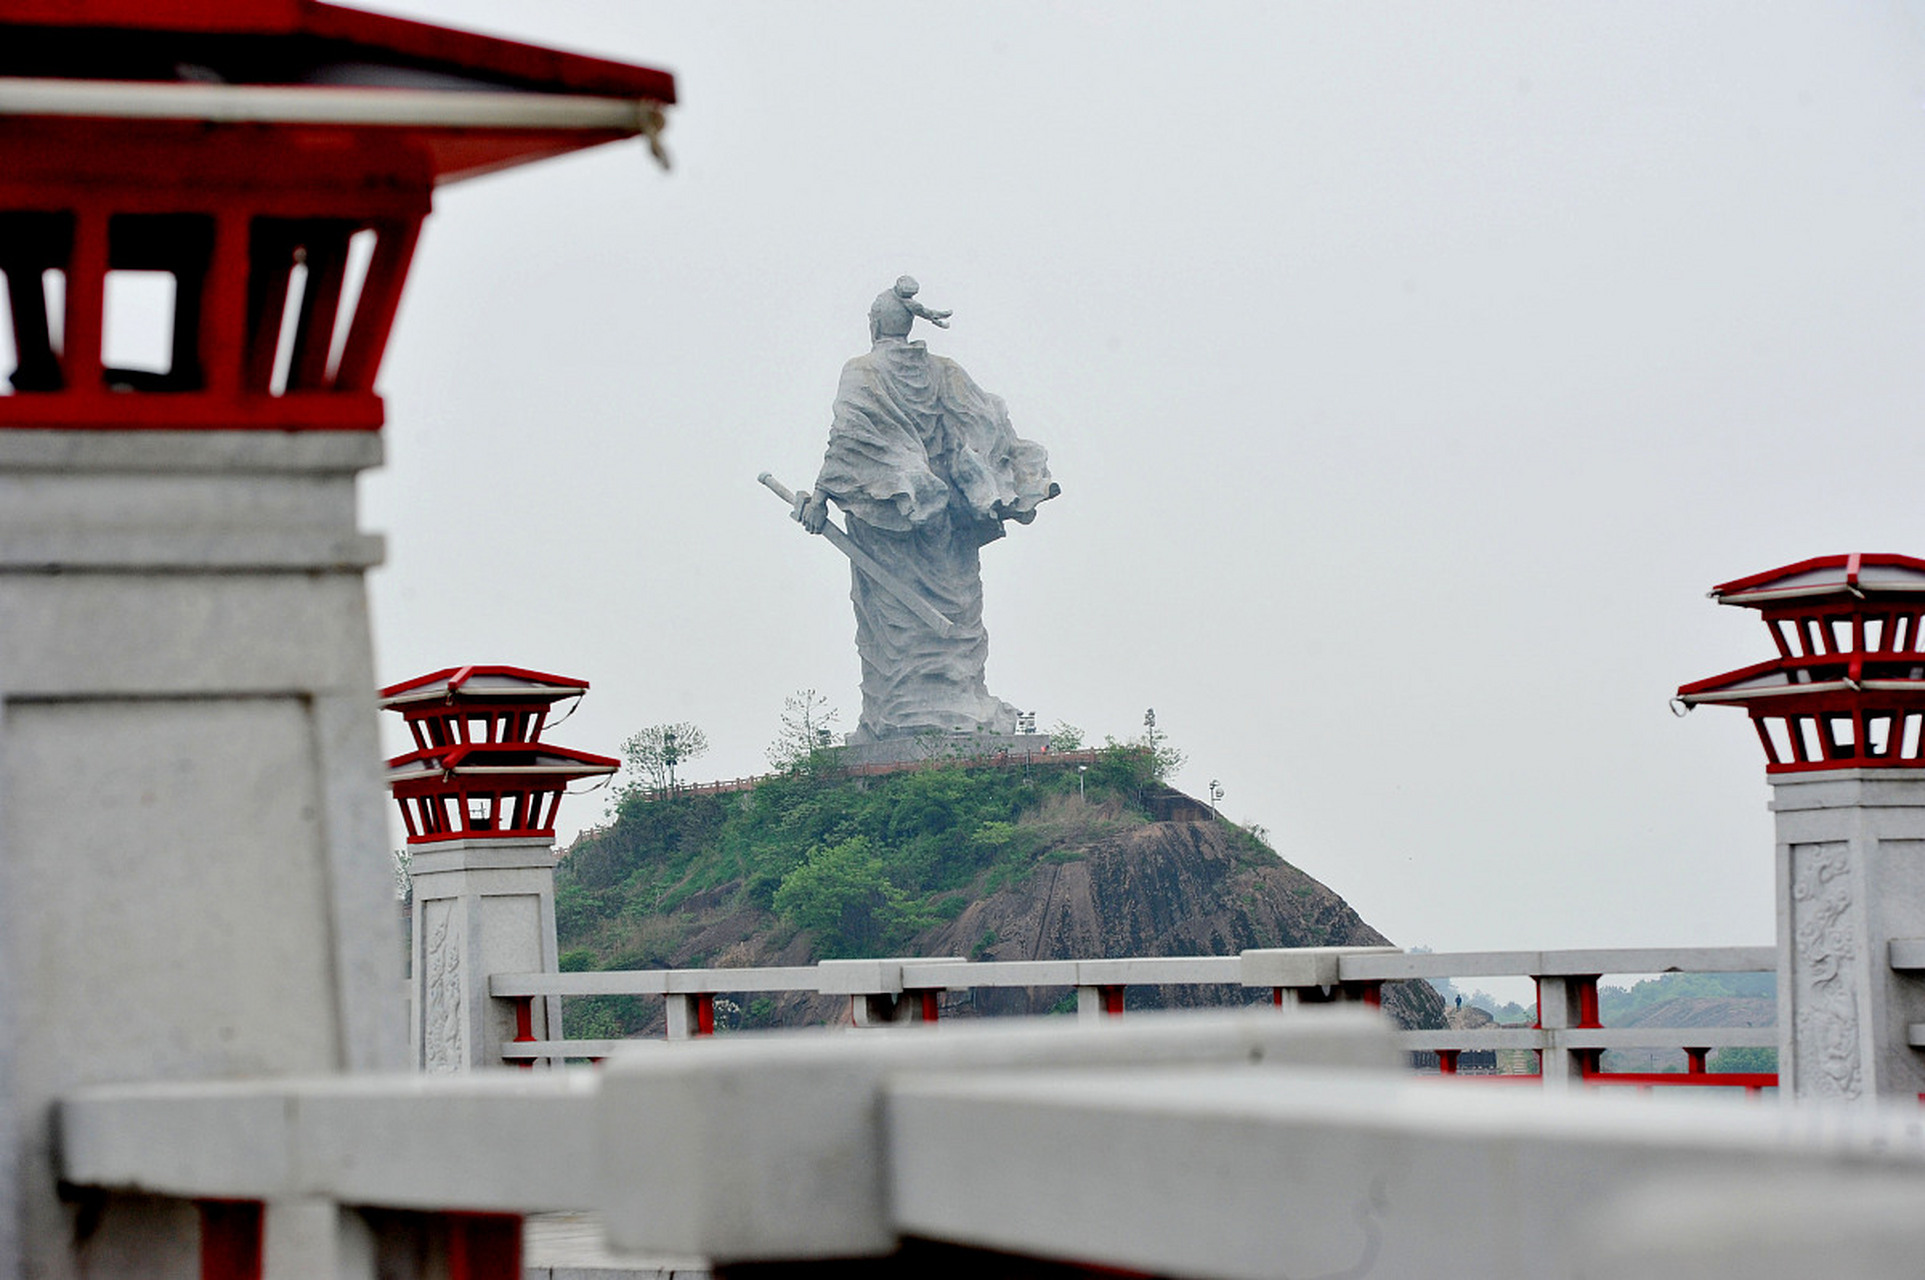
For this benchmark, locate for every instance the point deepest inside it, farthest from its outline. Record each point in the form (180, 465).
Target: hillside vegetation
(991, 862)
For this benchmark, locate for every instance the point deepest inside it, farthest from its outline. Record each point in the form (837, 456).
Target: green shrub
(842, 894)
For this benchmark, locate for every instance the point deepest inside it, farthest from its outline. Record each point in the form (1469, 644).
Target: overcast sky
(1409, 372)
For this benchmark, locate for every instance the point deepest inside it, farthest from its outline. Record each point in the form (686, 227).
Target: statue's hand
(814, 514)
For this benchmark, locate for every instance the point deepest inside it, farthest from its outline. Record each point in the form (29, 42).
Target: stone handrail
(1568, 1037)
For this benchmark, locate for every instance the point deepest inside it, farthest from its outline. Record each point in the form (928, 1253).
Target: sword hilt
(788, 495)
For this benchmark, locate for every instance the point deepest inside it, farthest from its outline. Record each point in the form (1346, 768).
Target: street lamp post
(1216, 794)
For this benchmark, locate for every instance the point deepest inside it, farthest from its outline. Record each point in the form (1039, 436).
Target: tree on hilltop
(807, 731)
(653, 754)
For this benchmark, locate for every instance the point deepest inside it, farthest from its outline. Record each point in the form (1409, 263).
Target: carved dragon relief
(441, 1013)
(1824, 947)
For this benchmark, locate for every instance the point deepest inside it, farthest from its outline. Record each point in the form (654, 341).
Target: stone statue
(893, 311)
(926, 468)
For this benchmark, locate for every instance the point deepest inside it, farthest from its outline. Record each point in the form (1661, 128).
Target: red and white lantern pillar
(1840, 712)
(207, 215)
(479, 795)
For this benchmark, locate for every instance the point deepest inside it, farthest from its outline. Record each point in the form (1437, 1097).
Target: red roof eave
(1712, 684)
(527, 66)
(449, 759)
(552, 69)
(457, 676)
(1851, 564)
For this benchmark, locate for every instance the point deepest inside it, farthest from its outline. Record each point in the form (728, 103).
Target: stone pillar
(193, 853)
(1562, 1005)
(480, 907)
(1850, 882)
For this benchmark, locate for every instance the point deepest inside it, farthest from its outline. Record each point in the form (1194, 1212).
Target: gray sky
(1409, 372)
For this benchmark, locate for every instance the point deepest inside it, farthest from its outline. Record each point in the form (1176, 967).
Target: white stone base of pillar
(193, 848)
(1850, 882)
(480, 907)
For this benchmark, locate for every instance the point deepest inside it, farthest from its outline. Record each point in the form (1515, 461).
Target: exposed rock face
(1166, 889)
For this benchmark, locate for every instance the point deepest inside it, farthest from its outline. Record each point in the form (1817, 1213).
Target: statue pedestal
(480, 907)
(942, 746)
(1850, 883)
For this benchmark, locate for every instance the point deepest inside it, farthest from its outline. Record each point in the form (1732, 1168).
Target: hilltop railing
(993, 759)
(1566, 1042)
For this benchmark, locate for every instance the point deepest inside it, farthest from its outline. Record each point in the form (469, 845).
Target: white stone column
(193, 846)
(1850, 882)
(481, 906)
(1558, 1008)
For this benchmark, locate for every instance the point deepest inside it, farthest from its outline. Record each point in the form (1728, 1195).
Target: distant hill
(983, 861)
(1692, 1000)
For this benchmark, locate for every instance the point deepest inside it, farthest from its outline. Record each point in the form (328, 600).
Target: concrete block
(768, 978)
(958, 975)
(1850, 871)
(1089, 1005)
(629, 982)
(1151, 970)
(492, 1142)
(771, 1146)
(1866, 1225)
(1298, 966)
(1392, 965)
(1907, 955)
(1615, 960)
(868, 977)
(1241, 1174)
(481, 907)
(302, 1239)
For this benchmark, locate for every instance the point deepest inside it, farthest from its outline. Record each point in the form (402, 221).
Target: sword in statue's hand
(862, 560)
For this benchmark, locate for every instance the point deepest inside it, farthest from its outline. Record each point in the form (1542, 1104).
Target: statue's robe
(927, 468)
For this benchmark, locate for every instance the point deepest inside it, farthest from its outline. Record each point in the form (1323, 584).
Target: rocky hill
(983, 862)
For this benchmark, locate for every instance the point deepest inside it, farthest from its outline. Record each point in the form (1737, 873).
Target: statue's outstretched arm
(938, 318)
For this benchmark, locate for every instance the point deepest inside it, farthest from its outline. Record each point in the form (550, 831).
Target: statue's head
(906, 286)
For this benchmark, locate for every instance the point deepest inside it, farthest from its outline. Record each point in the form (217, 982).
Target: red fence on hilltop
(990, 760)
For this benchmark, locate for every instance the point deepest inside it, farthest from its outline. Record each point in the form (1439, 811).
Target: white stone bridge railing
(1568, 1040)
(1230, 1145)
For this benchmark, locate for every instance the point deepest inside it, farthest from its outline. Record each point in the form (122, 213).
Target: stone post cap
(869, 977)
(1300, 966)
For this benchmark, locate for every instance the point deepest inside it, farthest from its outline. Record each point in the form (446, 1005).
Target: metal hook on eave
(652, 121)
